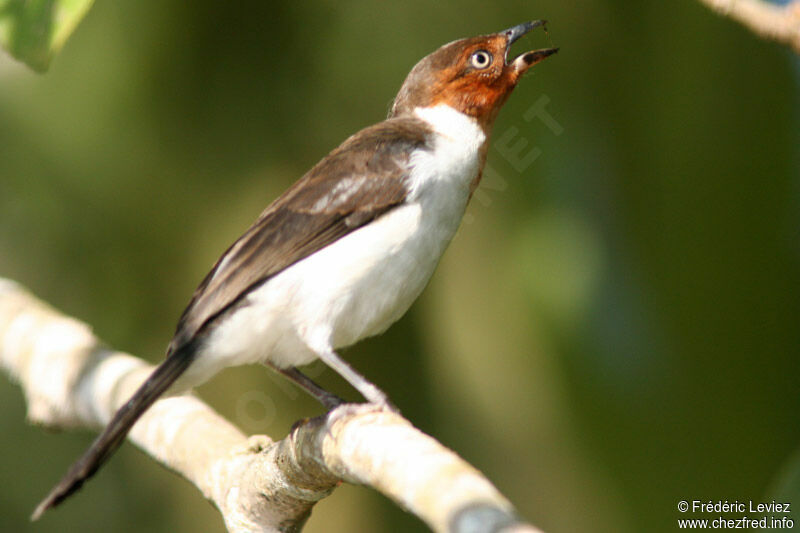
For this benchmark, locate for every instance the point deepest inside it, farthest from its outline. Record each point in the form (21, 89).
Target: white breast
(361, 284)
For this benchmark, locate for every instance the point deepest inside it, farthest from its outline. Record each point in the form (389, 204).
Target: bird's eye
(480, 59)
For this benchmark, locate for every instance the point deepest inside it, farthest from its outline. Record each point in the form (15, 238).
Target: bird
(344, 252)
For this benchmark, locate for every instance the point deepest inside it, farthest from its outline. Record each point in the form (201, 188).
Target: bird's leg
(369, 391)
(328, 399)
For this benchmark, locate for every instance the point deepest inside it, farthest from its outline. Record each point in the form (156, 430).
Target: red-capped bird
(343, 253)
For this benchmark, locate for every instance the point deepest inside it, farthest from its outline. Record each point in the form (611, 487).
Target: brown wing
(356, 183)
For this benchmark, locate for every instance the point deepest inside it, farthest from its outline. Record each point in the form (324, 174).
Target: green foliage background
(614, 329)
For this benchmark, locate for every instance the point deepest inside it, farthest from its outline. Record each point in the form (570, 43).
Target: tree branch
(71, 380)
(774, 22)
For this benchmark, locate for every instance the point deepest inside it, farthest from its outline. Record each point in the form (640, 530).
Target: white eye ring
(480, 59)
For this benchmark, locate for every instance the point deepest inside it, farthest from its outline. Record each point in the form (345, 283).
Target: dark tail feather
(115, 432)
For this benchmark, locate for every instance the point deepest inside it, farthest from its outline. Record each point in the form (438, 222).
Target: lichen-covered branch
(771, 21)
(71, 380)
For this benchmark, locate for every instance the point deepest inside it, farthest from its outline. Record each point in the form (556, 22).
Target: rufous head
(473, 75)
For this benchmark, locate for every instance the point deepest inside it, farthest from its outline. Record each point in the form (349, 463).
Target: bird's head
(473, 75)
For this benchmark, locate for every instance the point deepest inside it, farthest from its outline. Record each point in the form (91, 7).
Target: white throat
(454, 160)
(451, 123)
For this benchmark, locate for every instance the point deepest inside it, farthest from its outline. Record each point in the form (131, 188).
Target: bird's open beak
(523, 62)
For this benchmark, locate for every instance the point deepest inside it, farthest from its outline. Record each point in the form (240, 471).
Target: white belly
(352, 289)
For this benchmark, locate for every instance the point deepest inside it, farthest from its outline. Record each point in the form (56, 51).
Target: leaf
(785, 487)
(33, 31)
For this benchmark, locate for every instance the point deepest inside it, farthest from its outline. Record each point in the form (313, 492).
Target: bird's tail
(115, 432)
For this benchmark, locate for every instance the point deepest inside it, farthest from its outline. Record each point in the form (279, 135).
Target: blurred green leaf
(33, 31)
(786, 485)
